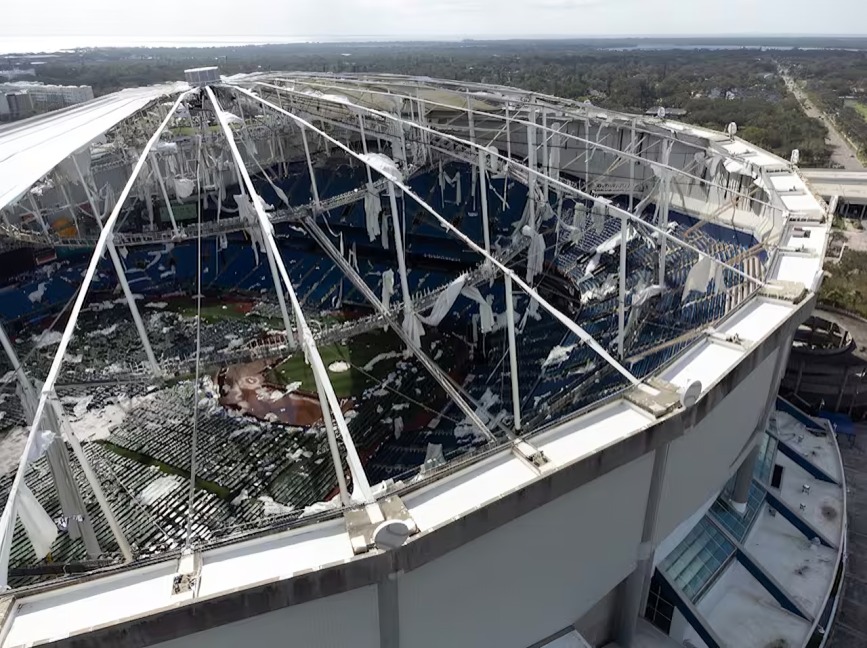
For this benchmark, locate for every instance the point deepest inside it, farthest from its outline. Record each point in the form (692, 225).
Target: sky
(65, 23)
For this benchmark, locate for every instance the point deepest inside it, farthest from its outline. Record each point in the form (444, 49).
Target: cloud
(416, 19)
(568, 5)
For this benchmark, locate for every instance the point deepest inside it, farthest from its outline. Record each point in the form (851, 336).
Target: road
(850, 627)
(844, 154)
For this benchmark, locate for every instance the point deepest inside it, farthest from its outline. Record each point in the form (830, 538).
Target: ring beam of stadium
(537, 174)
(372, 385)
(531, 107)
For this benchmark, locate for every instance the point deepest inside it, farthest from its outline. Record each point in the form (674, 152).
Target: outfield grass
(357, 352)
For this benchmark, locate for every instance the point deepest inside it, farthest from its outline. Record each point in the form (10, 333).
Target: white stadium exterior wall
(533, 576)
(347, 619)
(701, 461)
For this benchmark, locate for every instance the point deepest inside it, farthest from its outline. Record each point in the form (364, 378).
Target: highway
(844, 154)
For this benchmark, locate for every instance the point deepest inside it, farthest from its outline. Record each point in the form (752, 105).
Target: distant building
(19, 105)
(17, 73)
(40, 98)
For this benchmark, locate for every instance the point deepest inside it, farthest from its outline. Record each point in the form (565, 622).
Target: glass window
(697, 559)
(659, 610)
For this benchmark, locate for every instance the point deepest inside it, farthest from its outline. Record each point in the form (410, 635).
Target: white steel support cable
(71, 209)
(67, 490)
(364, 148)
(38, 212)
(509, 156)
(356, 469)
(586, 140)
(408, 313)
(121, 277)
(438, 374)
(272, 266)
(7, 521)
(422, 119)
(563, 319)
(333, 449)
(405, 160)
(513, 353)
(149, 202)
(483, 190)
(156, 169)
(327, 419)
(92, 480)
(632, 167)
(624, 229)
(545, 157)
(665, 190)
(281, 297)
(621, 294)
(314, 188)
(290, 337)
(531, 179)
(568, 188)
(194, 438)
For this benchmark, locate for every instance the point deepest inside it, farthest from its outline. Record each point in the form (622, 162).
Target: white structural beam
(632, 145)
(37, 212)
(483, 190)
(665, 195)
(121, 276)
(156, 169)
(546, 158)
(281, 298)
(531, 180)
(92, 480)
(532, 106)
(535, 173)
(71, 503)
(71, 208)
(621, 295)
(313, 186)
(342, 489)
(356, 469)
(563, 319)
(408, 314)
(438, 374)
(624, 229)
(513, 353)
(508, 155)
(10, 512)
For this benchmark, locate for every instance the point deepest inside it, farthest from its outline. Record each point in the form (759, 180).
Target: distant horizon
(53, 44)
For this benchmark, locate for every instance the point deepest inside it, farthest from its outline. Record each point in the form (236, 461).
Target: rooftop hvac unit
(203, 76)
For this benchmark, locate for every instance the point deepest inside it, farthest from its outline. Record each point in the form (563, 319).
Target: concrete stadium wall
(701, 461)
(347, 619)
(533, 576)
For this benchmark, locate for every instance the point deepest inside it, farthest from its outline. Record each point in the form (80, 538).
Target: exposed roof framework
(419, 120)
